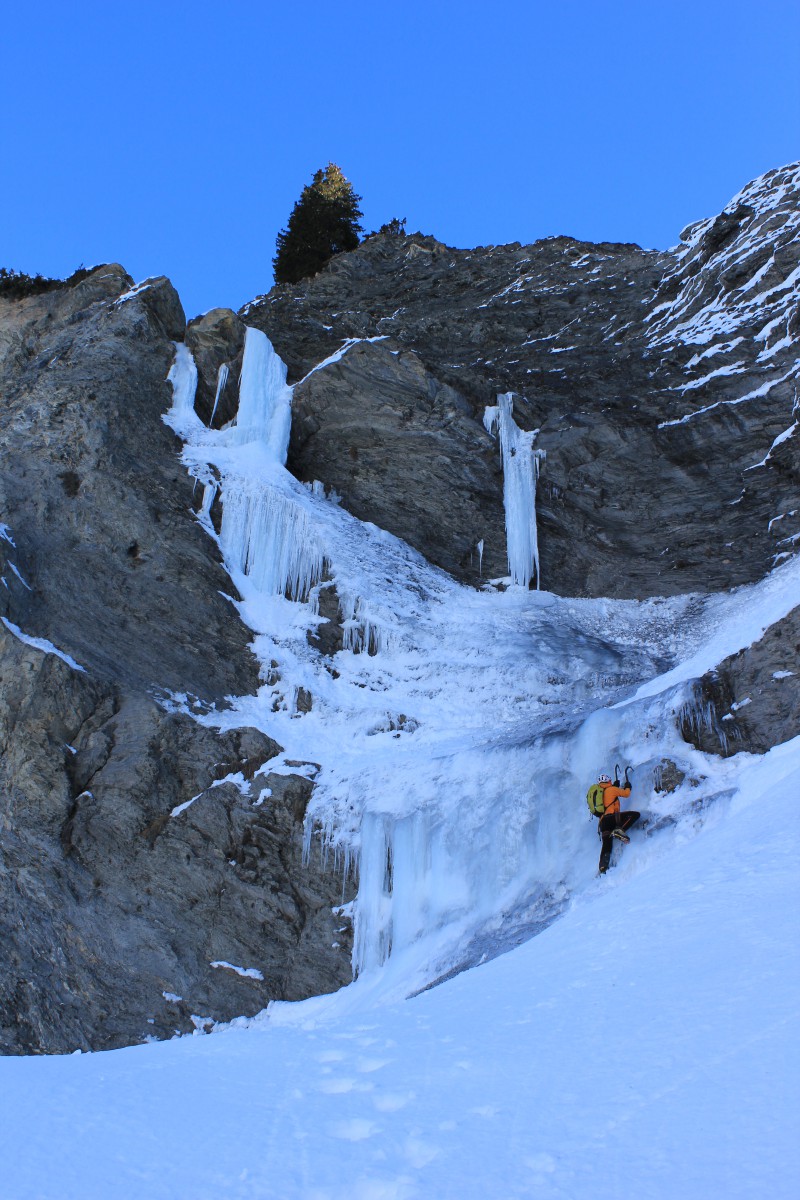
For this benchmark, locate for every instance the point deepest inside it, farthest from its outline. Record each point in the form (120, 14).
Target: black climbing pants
(608, 823)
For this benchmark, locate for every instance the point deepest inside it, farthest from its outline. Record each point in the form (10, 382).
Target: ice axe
(628, 771)
(616, 774)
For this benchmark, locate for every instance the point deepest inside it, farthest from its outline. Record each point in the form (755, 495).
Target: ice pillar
(520, 472)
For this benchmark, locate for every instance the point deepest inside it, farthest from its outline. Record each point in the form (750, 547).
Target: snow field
(641, 1046)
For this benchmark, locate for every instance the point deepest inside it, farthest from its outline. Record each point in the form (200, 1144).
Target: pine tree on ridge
(323, 222)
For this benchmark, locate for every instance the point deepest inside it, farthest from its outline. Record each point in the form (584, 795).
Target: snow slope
(639, 1045)
(645, 1045)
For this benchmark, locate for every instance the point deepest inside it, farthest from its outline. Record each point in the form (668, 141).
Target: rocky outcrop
(115, 627)
(662, 385)
(110, 565)
(216, 341)
(401, 449)
(751, 701)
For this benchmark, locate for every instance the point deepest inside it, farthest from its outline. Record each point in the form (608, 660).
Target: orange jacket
(611, 797)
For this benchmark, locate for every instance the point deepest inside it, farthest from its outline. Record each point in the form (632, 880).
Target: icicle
(209, 495)
(183, 377)
(265, 399)
(222, 379)
(698, 716)
(346, 868)
(267, 536)
(373, 916)
(361, 632)
(520, 472)
(479, 548)
(491, 416)
(308, 831)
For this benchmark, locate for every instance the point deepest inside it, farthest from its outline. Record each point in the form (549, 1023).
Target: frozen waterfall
(266, 535)
(183, 377)
(451, 730)
(265, 531)
(265, 398)
(520, 472)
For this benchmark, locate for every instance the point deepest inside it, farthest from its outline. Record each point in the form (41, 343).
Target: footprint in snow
(337, 1087)
(366, 1065)
(419, 1153)
(391, 1101)
(355, 1130)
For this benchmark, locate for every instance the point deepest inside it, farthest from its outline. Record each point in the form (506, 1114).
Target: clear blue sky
(175, 137)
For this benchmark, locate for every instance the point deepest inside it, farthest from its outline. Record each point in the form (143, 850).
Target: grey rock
(402, 450)
(603, 345)
(668, 777)
(327, 635)
(119, 574)
(107, 898)
(163, 303)
(751, 701)
(216, 341)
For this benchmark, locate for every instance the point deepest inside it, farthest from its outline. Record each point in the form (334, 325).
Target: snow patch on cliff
(42, 644)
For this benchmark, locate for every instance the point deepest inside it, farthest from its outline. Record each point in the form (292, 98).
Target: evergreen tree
(324, 222)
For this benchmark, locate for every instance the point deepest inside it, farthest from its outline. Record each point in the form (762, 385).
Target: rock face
(751, 701)
(96, 499)
(216, 341)
(402, 450)
(662, 385)
(111, 599)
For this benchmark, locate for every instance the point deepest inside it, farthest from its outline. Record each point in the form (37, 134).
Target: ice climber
(603, 799)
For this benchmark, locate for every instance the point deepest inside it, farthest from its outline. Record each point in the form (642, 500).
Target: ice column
(265, 528)
(373, 914)
(222, 379)
(411, 883)
(520, 472)
(265, 399)
(183, 377)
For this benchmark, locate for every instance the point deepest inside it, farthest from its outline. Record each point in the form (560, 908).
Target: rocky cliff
(660, 383)
(147, 885)
(113, 600)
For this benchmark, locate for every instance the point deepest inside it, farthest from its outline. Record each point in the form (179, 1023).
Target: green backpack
(594, 798)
